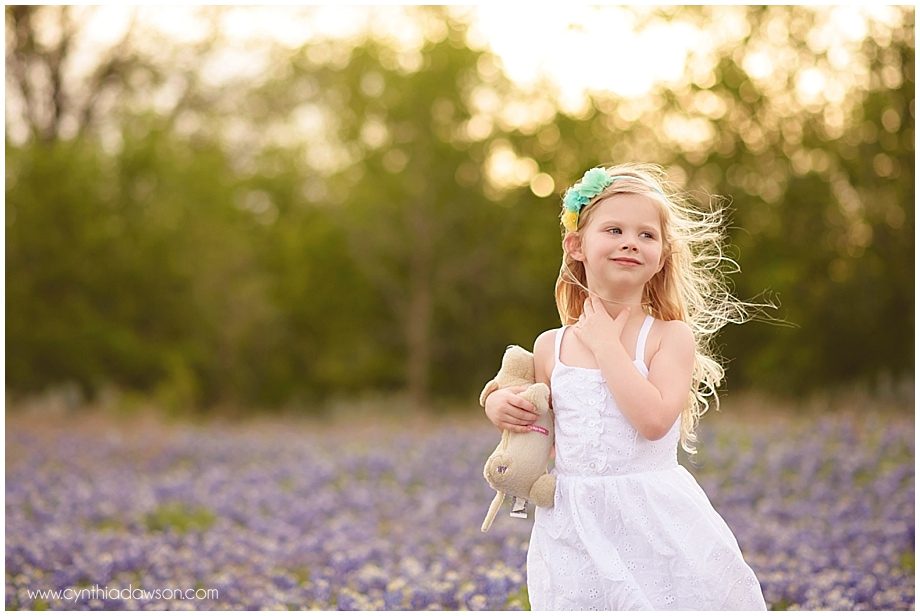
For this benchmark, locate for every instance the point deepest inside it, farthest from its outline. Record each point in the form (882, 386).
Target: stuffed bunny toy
(517, 467)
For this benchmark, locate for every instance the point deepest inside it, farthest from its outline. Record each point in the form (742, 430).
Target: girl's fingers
(514, 414)
(524, 405)
(519, 417)
(596, 303)
(525, 419)
(524, 416)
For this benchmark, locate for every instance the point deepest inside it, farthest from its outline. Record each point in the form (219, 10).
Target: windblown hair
(691, 285)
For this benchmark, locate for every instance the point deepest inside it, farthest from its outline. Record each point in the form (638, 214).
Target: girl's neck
(616, 300)
(636, 309)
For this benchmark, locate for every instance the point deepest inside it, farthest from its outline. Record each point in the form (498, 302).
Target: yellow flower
(570, 220)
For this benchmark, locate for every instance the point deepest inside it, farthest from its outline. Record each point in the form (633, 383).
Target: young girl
(639, 295)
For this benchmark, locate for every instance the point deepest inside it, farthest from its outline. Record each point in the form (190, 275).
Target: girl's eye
(646, 233)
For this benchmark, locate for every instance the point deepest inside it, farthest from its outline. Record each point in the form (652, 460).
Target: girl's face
(621, 242)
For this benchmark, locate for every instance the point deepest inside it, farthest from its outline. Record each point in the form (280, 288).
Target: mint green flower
(593, 182)
(589, 186)
(574, 201)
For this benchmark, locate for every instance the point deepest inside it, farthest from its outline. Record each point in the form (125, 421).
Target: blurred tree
(50, 100)
(122, 257)
(409, 202)
(364, 214)
(822, 193)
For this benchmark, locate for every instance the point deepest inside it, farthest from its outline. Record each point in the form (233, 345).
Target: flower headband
(592, 183)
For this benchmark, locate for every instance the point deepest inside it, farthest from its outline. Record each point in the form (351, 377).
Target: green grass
(108, 524)
(781, 606)
(301, 574)
(908, 563)
(179, 516)
(40, 605)
(520, 597)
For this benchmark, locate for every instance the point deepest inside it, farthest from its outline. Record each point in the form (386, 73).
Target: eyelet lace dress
(630, 529)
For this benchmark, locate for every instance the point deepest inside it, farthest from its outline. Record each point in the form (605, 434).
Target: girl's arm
(509, 411)
(653, 405)
(543, 356)
(543, 348)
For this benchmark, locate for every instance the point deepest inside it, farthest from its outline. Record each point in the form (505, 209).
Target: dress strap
(559, 341)
(643, 336)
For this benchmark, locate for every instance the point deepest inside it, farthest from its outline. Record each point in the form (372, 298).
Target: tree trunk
(419, 315)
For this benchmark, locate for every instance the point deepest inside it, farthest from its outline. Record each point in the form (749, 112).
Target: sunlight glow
(809, 84)
(542, 185)
(758, 65)
(504, 169)
(556, 54)
(583, 48)
(569, 49)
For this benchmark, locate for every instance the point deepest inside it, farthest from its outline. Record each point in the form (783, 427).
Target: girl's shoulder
(675, 335)
(544, 349)
(676, 328)
(668, 334)
(545, 342)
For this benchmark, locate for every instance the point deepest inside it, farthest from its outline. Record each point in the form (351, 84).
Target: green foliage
(182, 266)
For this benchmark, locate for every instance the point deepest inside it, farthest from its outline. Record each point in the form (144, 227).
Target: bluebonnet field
(377, 515)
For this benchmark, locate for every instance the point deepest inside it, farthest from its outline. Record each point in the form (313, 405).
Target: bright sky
(587, 47)
(578, 47)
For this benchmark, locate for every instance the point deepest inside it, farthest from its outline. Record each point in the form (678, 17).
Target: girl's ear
(571, 244)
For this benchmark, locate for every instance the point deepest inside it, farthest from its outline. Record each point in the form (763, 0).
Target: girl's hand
(596, 328)
(509, 411)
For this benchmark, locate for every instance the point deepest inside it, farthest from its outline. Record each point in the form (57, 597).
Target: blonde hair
(691, 285)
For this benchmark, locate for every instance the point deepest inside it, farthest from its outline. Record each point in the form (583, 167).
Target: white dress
(630, 529)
